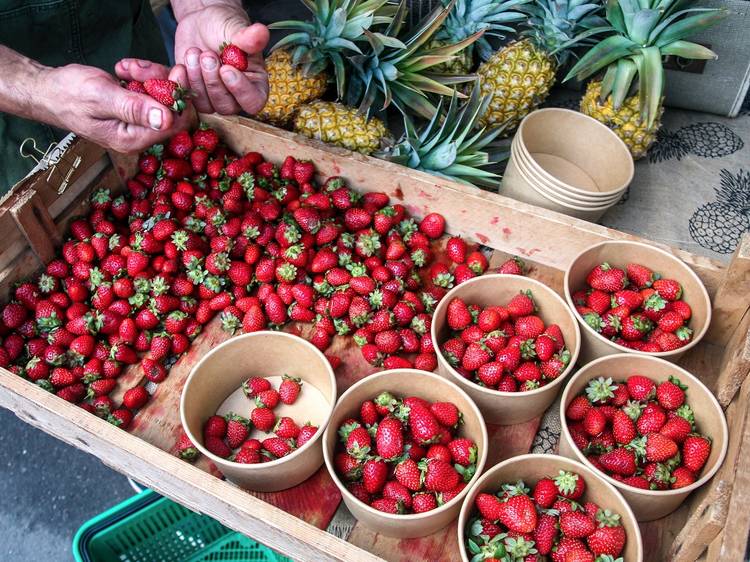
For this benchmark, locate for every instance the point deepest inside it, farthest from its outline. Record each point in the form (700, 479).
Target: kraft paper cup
(507, 408)
(576, 151)
(531, 469)
(619, 254)
(402, 383)
(221, 373)
(518, 185)
(709, 419)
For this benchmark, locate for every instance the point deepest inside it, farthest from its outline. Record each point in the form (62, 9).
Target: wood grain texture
(730, 303)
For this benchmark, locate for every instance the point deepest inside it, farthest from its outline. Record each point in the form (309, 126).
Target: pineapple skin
(288, 89)
(461, 64)
(626, 121)
(338, 124)
(518, 77)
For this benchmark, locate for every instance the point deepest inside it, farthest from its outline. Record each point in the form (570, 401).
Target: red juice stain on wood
(422, 193)
(481, 237)
(528, 253)
(494, 220)
(507, 231)
(336, 169)
(398, 194)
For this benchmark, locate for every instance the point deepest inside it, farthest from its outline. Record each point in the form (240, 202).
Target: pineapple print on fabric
(707, 140)
(718, 225)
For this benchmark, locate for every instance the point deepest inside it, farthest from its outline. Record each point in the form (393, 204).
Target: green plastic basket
(150, 528)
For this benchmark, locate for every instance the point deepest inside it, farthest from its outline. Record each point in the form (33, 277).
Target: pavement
(49, 490)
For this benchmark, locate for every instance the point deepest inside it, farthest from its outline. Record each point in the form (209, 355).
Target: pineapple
(626, 121)
(519, 76)
(448, 146)
(395, 69)
(629, 97)
(289, 88)
(299, 65)
(338, 124)
(468, 17)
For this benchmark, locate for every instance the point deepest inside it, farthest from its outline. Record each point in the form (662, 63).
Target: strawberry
(306, 433)
(237, 430)
(121, 417)
(521, 305)
(423, 425)
(578, 408)
(651, 420)
(167, 93)
(518, 514)
(289, 389)
(423, 502)
(576, 524)
(389, 440)
(387, 505)
(607, 278)
(640, 387)
(135, 398)
(569, 485)
(439, 476)
(671, 393)
(374, 474)
(489, 506)
(668, 289)
(432, 226)
(545, 533)
(676, 428)
(695, 452)
(215, 426)
(232, 55)
(639, 275)
(408, 474)
(455, 249)
(623, 428)
(609, 537)
(217, 446)
(263, 419)
(397, 491)
(153, 370)
(619, 461)
(267, 398)
(185, 448)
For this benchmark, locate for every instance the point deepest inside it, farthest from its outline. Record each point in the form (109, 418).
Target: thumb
(140, 109)
(251, 39)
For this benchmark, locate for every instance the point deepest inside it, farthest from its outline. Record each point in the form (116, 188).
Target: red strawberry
(570, 485)
(623, 427)
(518, 514)
(237, 430)
(423, 502)
(387, 505)
(121, 417)
(289, 389)
(166, 92)
(135, 398)
(609, 537)
(432, 226)
(374, 473)
(695, 452)
(668, 289)
(408, 474)
(640, 387)
(576, 524)
(439, 476)
(306, 433)
(489, 506)
(545, 533)
(185, 448)
(455, 249)
(389, 439)
(232, 55)
(263, 419)
(267, 399)
(215, 426)
(676, 428)
(670, 393)
(619, 461)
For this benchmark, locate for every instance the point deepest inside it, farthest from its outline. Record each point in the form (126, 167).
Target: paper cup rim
(697, 336)
(502, 393)
(585, 370)
(257, 467)
(481, 460)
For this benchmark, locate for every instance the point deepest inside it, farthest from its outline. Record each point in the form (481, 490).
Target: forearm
(23, 85)
(182, 8)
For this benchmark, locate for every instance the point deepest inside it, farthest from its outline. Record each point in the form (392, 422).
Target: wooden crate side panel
(173, 477)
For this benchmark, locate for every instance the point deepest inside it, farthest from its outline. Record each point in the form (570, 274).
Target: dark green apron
(59, 32)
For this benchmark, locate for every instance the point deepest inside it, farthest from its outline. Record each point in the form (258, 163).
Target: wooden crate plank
(35, 223)
(730, 304)
(176, 479)
(703, 526)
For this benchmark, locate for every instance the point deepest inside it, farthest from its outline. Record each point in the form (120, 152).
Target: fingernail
(154, 118)
(143, 63)
(125, 63)
(209, 63)
(192, 60)
(229, 76)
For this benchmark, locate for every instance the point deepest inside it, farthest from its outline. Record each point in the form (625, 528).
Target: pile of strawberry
(635, 307)
(553, 520)
(639, 432)
(506, 348)
(228, 436)
(201, 231)
(404, 456)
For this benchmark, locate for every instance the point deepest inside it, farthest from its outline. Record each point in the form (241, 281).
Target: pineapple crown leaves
(450, 146)
(640, 35)
(600, 389)
(734, 190)
(333, 32)
(490, 16)
(556, 26)
(395, 67)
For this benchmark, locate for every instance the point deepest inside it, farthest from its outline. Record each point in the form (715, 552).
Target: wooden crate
(293, 522)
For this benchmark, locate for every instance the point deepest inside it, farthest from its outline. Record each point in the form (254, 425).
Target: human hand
(91, 103)
(222, 88)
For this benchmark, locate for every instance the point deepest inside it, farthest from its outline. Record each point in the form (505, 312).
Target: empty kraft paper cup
(576, 152)
(517, 185)
(499, 407)
(402, 383)
(592, 200)
(709, 420)
(618, 253)
(531, 469)
(216, 380)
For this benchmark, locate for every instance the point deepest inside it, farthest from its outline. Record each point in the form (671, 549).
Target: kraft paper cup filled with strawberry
(508, 341)
(257, 406)
(632, 297)
(546, 506)
(648, 427)
(403, 446)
